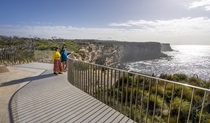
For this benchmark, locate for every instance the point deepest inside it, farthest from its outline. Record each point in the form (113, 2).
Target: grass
(43, 56)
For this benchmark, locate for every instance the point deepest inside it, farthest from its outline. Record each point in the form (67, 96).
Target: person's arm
(53, 56)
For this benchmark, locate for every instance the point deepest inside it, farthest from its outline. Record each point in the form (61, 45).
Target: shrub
(180, 77)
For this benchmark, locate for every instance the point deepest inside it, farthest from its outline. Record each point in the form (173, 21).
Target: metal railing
(142, 98)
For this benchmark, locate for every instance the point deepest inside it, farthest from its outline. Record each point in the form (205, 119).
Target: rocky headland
(166, 47)
(115, 54)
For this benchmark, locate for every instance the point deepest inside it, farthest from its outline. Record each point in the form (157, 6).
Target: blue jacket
(64, 55)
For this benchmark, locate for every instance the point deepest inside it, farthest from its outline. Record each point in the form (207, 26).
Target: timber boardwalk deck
(51, 98)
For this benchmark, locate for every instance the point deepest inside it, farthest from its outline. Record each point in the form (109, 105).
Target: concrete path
(10, 82)
(51, 98)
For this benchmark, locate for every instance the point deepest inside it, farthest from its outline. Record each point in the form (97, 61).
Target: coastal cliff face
(166, 47)
(136, 51)
(114, 54)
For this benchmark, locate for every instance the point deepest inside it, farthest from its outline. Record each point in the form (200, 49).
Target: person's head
(63, 47)
(56, 48)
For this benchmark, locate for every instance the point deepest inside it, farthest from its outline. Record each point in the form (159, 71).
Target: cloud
(176, 31)
(202, 3)
(169, 26)
(207, 8)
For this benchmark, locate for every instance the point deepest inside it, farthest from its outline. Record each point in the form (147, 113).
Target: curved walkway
(51, 98)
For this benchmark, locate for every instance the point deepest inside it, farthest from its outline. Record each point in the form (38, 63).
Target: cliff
(166, 47)
(136, 51)
(113, 53)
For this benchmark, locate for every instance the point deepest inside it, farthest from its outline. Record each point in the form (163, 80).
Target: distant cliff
(113, 53)
(166, 47)
(136, 51)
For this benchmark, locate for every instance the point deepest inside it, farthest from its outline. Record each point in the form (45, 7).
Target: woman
(56, 57)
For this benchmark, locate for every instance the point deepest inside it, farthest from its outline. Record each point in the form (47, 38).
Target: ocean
(186, 59)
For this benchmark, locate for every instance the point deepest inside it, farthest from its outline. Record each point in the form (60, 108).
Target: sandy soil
(6, 92)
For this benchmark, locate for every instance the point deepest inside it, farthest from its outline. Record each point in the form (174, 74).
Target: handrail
(141, 97)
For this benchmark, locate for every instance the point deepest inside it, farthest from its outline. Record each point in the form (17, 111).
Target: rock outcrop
(114, 54)
(166, 47)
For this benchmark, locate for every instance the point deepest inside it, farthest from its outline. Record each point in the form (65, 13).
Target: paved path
(10, 82)
(51, 98)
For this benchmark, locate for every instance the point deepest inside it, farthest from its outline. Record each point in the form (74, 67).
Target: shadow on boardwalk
(18, 81)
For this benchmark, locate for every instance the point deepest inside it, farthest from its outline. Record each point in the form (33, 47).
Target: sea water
(186, 59)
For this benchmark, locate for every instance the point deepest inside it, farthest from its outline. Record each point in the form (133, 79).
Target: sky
(165, 21)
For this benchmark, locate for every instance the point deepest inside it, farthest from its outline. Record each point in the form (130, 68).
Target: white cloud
(207, 8)
(175, 31)
(183, 25)
(202, 3)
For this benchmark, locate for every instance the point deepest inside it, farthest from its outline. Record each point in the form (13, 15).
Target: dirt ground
(7, 91)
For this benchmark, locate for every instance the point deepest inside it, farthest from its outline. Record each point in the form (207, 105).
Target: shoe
(60, 73)
(55, 73)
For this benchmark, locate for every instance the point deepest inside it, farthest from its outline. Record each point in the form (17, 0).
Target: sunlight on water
(187, 59)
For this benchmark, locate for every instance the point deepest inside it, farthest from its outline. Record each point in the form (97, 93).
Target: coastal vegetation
(146, 100)
(17, 50)
(158, 100)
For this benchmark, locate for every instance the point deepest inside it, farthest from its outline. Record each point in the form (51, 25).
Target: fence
(142, 98)
(15, 54)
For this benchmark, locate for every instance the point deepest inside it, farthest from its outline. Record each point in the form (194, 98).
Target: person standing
(56, 57)
(64, 55)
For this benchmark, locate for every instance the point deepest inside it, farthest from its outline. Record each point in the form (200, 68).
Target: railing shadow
(13, 82)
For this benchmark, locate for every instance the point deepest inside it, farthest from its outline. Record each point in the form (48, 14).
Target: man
(64, 55)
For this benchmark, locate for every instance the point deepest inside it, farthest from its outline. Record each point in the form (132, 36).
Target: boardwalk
(51, 98)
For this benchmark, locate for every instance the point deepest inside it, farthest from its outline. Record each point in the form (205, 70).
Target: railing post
(88, 79)
(202, 106)
(93, 80)
(101, 84)
(148, 99)
(114, 88)
(118, 87)
(121, 106)
(142, 99)
(104, 86)
(154, 107)
(107, 87)
(126, 94)
(111, 90)
(136, 99)
(131, 97)
(191, 103)
(97, 80)
(172, 98)
(180, 104)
